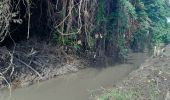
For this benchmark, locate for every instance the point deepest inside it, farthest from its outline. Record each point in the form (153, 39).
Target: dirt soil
(32, 61)
(150, 82)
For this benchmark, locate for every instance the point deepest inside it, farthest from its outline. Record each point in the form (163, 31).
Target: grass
(131, 93)
(118, 95)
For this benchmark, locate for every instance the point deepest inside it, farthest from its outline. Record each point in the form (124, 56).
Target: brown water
(76, 86)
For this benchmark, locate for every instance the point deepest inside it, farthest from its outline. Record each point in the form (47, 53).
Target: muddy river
(76, 86)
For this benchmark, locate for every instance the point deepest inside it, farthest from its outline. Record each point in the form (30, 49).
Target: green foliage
(57, 38)
(165, 37)
(100, 12)
(138, 40)
(138, 23)
(156, 10)
(118, 95)
(153, 28)
(91, 42)
(126, 11)
(65, 41)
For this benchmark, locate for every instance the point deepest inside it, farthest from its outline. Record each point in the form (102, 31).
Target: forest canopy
(107, 28)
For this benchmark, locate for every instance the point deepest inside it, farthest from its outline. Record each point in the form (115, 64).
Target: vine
(106, 27)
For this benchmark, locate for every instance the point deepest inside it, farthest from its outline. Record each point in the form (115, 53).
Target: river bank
(81, 85)
(31, 61)
(150, 82)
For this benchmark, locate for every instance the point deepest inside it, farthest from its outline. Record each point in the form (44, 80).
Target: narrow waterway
(76, 86)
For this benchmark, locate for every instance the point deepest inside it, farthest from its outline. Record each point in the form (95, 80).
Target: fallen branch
(30, 67)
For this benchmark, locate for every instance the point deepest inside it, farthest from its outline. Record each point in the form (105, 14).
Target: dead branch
(29, 67)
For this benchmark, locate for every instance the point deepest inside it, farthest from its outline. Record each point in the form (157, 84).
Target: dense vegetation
(39, 34)
(105, 28)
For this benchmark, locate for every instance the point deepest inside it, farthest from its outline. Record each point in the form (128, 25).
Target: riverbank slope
(32, 61)
(150, 82)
